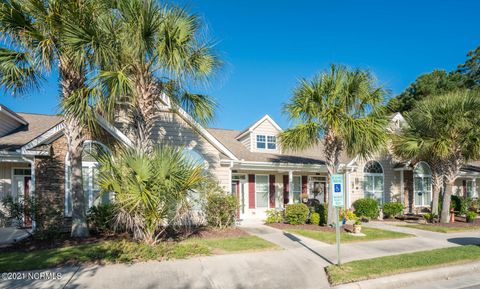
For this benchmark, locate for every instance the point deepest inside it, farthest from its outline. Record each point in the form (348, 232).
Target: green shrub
(315, 219)
(296, 214)
(392, 209)
(471, 215)
(221, 209)
(348, 215)
(100, 218)
(429, 217)
(474, 206)
(322, 210)
(460, 205)
(366, 208)
(274, 216)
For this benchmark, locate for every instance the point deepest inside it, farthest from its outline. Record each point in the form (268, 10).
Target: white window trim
(375, 175)
(268, 192)
(266, 142)
(300, 192)
(422, 176)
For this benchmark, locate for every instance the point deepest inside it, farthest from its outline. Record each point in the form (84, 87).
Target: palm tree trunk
(144, 112)
(332, 149)
(445, 217)
(437, 184)
(72, 79)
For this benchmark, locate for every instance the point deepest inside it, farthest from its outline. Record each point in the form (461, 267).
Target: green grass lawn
(123, 251)
(329, 237)
(441, 229)
(389, 265)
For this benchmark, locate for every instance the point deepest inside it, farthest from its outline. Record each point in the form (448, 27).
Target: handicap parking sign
(338, 194)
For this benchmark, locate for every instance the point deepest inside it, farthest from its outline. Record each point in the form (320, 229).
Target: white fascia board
(12, 115)
(257, 123)
(203, 132)
(273, 166)
(49, 134)
(115, 132)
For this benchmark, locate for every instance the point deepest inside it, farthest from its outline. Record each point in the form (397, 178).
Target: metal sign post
(338, 201)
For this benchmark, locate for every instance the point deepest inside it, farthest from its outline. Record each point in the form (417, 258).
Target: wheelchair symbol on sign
(337, 188)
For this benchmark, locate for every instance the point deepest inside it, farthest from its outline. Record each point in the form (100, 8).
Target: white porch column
(290, 187)
(474, 188)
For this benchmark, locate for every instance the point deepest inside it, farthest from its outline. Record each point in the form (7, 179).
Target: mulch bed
(459, 223)
(282, 226)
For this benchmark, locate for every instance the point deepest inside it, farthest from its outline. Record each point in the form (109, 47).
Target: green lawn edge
(372, 234)
(440, 229)
(389, 265)
(123, 251)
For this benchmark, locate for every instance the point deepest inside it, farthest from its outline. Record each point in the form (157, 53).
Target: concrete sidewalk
(299, 264)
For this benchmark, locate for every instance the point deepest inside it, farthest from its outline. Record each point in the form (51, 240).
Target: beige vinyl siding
(246, 140)
(265, 128)
(6, 178)
(172, 129)
(391, 180)
(7, 124)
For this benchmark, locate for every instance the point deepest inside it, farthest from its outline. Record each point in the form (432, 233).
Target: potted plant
(304, 197)
(471, 216)
(357, 227)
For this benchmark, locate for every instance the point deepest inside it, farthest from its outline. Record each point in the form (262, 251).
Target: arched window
(422, 184)
(91, 151)
(373, 181)
(194, 156)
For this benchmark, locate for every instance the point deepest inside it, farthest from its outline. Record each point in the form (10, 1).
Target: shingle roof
(37, 125)
(313, 155)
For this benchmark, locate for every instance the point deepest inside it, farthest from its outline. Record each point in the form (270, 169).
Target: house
(249, 163)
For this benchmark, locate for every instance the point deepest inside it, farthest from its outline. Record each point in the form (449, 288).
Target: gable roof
(15, 116)
(37, 124)
(257, 123)
(313, 155)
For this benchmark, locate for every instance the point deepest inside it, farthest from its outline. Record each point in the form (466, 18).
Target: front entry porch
(259, 190)
(15, 184)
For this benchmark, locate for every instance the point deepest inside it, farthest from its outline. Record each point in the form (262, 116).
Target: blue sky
(268, 45)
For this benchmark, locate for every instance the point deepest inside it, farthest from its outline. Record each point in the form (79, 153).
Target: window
(470, 189)
(422, 184)
(239, 177)
(261, 191)
(271, 142)
(297, 189)
(373, 181)
(260, 142)
(91, 151)
(195, 157)
(22, 172)
(266, 141)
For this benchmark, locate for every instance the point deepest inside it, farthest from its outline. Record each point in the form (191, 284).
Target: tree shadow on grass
(465, 241)
(299, 241)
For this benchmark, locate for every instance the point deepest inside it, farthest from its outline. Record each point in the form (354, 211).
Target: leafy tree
(445, 129)
(35, 34)
(433, 83)
(151, 189)
(340, 108)
(471, 68)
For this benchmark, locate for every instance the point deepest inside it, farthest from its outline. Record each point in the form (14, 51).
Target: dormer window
(266, 142)
(271, 142)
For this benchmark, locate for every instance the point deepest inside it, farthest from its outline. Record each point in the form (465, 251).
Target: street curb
(407, 279)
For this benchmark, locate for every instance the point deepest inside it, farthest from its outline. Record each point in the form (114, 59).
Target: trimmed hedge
(296, 214)
(392, 209)
(315, 219)
(366, 208)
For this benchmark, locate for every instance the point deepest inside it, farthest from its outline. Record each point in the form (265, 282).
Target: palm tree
(340, 108)
(34, 31)
(158, 51)
(444, 129)
(151, 189)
